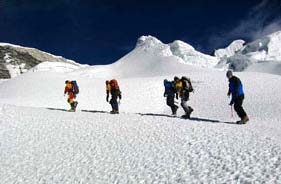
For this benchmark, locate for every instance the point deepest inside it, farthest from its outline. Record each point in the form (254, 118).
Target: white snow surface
(54, 67)
(266, 67)
(41, 145)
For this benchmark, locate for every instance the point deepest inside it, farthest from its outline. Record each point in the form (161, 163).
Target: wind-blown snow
(40, 145)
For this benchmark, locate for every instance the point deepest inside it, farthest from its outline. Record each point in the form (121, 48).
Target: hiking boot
(71, 110)
(174, 113)
(190, 110)
(114, 112)
(245, 120)
(239, 122)
(186, 116)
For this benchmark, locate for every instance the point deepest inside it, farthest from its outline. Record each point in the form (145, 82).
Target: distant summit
(185, 52)
(15, 60)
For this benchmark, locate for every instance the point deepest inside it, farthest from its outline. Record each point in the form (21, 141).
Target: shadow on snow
(156, 115)
(192, 118)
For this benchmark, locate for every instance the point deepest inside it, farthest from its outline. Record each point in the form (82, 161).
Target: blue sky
(102, 31)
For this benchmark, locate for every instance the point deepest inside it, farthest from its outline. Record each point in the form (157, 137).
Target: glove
(228, 94)
(107, 98)
(177, 96)
(120, 97)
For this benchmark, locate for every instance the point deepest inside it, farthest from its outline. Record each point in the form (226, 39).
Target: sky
(102, 31)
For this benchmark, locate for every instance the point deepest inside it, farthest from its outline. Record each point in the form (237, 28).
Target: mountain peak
(180, 44)
(148, 41)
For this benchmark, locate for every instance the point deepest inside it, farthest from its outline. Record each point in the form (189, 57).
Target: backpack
(169, 85)
(114, 84)
(188, 84)
(75, 87)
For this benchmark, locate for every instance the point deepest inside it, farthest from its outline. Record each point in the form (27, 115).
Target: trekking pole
(231, 111)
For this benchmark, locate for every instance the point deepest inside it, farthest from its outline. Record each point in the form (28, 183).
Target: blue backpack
(75, 87)
(169, 87)
(168, 84)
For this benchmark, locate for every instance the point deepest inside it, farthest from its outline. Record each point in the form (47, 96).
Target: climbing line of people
(178, 88)
(112, 88)
(182, 88)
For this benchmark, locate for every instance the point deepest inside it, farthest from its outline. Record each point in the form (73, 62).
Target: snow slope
(40, 145)
(55, 67)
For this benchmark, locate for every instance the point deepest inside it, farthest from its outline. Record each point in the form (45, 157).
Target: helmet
(229, 74)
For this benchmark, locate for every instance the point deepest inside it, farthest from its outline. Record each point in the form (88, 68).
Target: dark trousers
(238, 106)
(73, 105)
(184, 99)
(114, 103)
(171, 103)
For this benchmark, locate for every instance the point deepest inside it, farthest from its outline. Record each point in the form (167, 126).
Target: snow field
(47, 146)
(38, 145)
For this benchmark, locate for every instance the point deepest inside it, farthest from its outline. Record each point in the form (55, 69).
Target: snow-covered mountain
(190, 56)
(261, 53)
(15, 60)
(150, 54)
(151, 57)
(230, 50)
